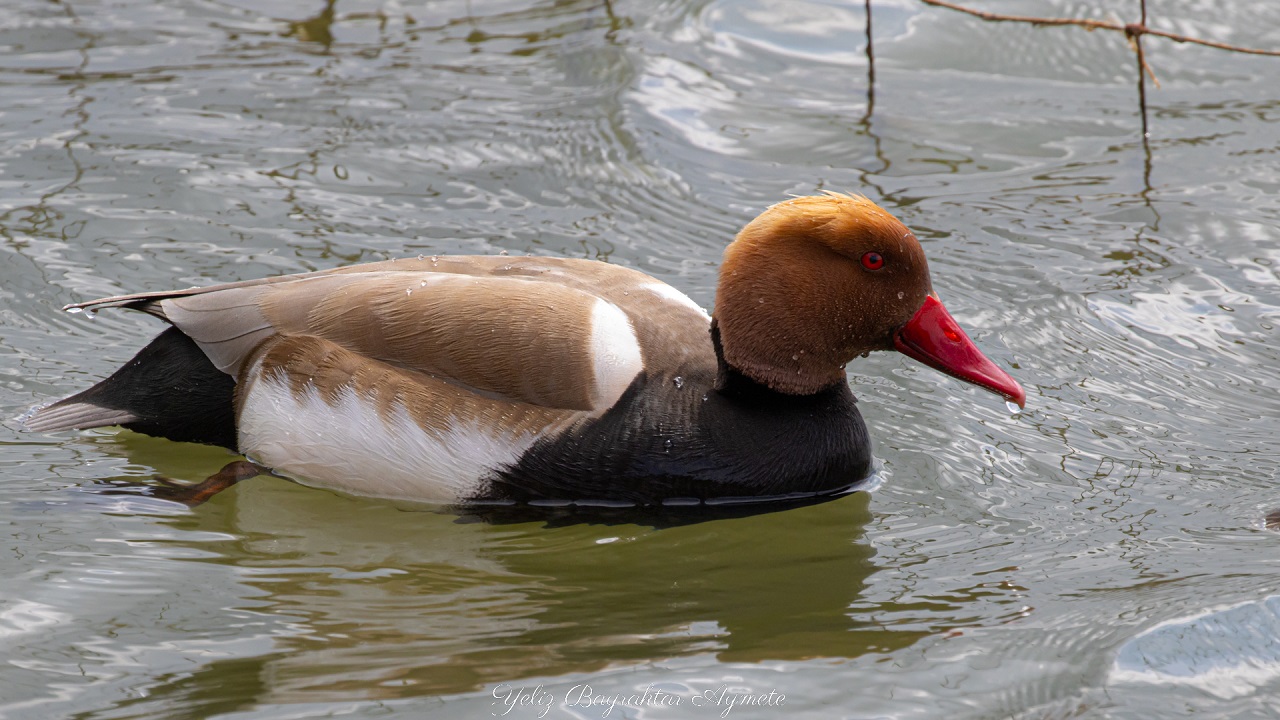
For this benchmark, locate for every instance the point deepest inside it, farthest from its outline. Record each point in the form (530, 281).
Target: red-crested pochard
(538, 380)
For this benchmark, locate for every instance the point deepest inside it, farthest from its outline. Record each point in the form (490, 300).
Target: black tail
(170, 389)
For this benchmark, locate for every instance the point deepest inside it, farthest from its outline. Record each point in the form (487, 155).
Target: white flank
(667, 292)
(615, 353)
(349, 447)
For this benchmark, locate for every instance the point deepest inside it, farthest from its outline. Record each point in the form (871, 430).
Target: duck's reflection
(384, 602)
(450, 607)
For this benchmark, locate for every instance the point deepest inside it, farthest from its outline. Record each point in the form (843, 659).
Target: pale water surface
(1101, 555)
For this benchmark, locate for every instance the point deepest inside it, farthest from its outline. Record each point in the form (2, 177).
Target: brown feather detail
(230, 320)
(227, 325)
(672, 336)
(795, 303)
(506, 337)
(435, 405)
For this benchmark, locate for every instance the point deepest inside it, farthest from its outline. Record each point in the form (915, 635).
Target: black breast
(667, 442)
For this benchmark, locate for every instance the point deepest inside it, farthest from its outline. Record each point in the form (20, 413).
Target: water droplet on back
(679, 381)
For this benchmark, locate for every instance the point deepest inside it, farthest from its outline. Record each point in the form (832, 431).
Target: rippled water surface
(1103, 554)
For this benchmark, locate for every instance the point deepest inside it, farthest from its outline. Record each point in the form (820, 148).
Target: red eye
(873, 261)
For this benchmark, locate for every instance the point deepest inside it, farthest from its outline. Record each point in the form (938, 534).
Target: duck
(465, 380)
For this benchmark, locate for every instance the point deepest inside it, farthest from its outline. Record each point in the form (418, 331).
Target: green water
(1101, 555)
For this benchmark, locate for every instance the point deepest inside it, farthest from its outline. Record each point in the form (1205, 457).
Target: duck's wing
(553, 333)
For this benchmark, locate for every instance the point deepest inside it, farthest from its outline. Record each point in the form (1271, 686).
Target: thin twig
(1144, 67)
(997, 17)
(871, 69)
(1132, 29)
(1136, 41)
(1142, 104)
(1207, 43)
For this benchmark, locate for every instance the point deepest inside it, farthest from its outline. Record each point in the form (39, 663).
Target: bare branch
(1133, 30)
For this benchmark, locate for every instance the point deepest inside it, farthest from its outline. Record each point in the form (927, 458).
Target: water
(1101, 554)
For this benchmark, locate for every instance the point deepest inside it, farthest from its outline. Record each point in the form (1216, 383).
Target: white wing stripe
(615, 353)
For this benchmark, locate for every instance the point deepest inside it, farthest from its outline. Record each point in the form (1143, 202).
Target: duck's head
(814, 282)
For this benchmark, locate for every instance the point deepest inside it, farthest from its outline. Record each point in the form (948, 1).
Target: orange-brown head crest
(812, 283)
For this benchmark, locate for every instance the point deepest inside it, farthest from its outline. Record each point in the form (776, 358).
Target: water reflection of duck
(544, 380)
(391, 604)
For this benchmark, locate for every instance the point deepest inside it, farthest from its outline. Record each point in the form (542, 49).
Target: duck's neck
(732, 382)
